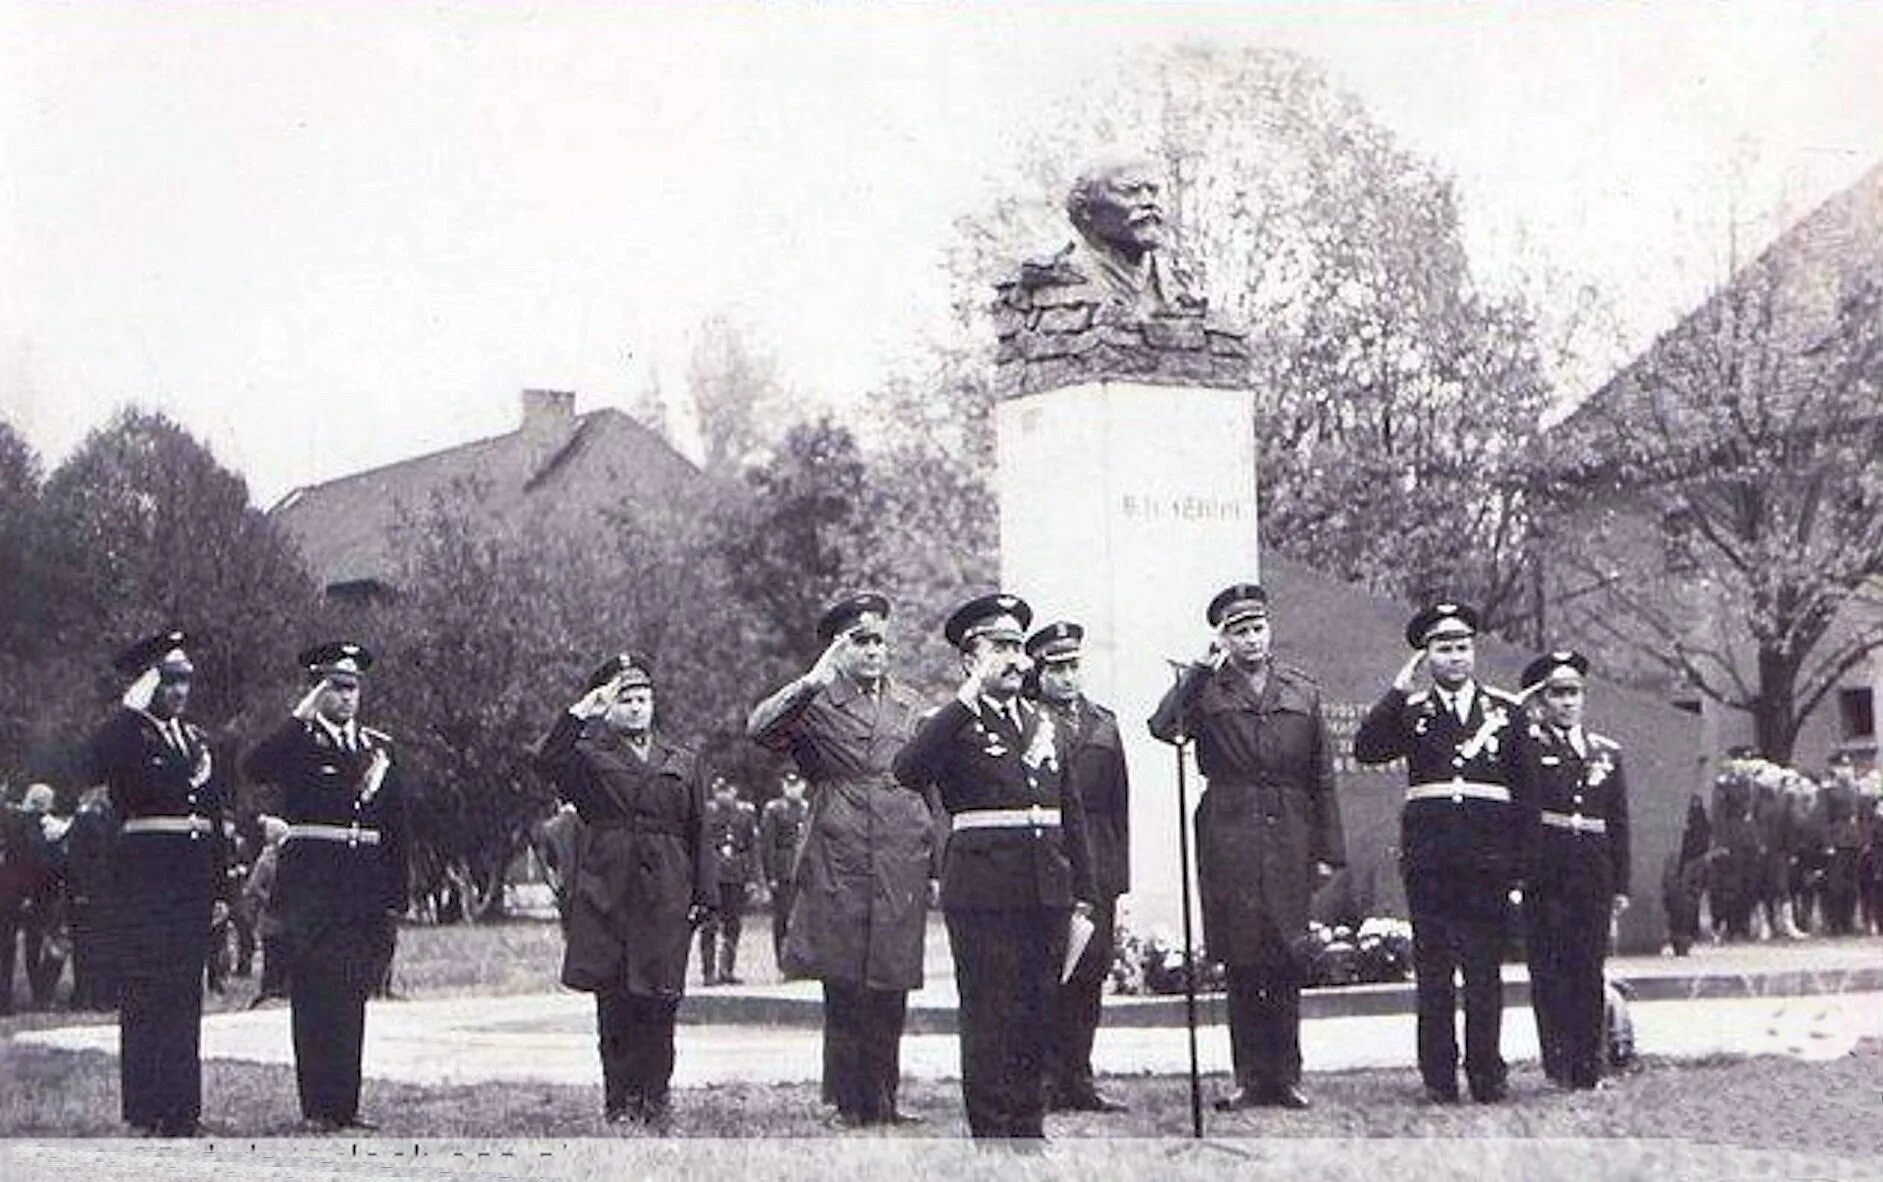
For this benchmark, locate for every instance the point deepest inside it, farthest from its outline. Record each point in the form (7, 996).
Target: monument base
(1125, 507)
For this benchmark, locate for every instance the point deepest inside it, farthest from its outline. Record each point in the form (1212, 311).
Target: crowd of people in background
(1777, 854)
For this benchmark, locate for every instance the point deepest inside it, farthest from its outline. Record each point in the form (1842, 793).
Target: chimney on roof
(547, 412)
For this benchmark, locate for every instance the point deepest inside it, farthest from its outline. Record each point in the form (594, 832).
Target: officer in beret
(863, 878)
(732, 831)
(1017, 864)
(340, 884)
(644, 878)
(1460, 840)
(168, 791)
(781, 827)
(1268, 832)
(1576, 854)
(1095, 764)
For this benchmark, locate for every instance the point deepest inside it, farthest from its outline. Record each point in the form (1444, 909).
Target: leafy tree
(1724, 498)
(23, 639)
(737, 399)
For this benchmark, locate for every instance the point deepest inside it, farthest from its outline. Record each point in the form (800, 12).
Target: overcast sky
(334, 236)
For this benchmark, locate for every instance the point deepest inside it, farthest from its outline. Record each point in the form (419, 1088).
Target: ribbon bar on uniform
(344, 833)
(1029, 818)
(1575, 822)
(190, 824)
(1458, 790)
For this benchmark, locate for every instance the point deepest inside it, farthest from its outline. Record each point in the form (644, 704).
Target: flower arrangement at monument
(1378, 950)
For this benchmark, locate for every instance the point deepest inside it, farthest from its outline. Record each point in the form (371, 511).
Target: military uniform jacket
(975, 760)
(780, 832)
(1568, 795)
(162, 884)
(321, 774)
(733, 835)
(1453, 832)
(1269, 812)
(860, 915)
(1095, 761)
(641, 858)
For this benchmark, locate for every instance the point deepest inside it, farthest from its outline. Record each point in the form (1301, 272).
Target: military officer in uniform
(167, 788)
(1267, 832)
(732, 831)
(1095, 764)
(863, 877)
(1017, 863)
(781, 825)
(644, 878)
(1460, 835)
(90, 856)
(1576, 856)
(340, 885)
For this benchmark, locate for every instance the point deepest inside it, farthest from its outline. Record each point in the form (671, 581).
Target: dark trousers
(93, 984)
(784, 893)
(1006, 970)
(1444, 945)
(160, 1070)
(636, 1041)
(12, 924)
(328, 984)
(1265, 1024)
(274, 967)
(1077, 1008)
(863, 1049)
(1566, 940)
(721, 931)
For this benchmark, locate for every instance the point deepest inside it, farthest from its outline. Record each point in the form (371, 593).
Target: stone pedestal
(1125, 507)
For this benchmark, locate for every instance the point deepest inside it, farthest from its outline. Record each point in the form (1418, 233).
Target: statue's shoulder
(1058, 269)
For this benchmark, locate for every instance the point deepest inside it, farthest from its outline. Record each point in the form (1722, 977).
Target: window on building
(1856, 708)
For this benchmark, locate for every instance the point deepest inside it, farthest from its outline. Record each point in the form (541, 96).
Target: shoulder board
(1602, 741)
(1417, 697)
(1104, 712)
(1300, 675)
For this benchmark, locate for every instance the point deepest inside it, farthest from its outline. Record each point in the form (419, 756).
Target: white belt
(1458, 790)
(346, 833)
(194, 826)
(1027, 818)
(1575, 822)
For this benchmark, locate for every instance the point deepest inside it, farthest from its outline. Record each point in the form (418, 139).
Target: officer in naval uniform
(167, 789)
(1095, 763)
(340, 885)
(1016, 865)
(1576, 856)
(1460, 841)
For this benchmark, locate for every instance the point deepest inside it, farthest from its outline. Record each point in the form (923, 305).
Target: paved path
(551, 1038)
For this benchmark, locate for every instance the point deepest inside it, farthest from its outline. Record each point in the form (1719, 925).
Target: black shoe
(1094, 1100)
(321, 1124)
(614, 1116)
(842, 1121)
(1287, 1096)
(1438, 1094)
(710, 979)
(729, 979)
(357, 1121)
(1490, 1092)
(1238, 1100)
(904, 1119)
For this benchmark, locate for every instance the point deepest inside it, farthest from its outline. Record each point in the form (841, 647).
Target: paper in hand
(1078, 934)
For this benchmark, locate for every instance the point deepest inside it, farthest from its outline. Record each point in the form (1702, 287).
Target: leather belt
(1575, 822)
(1458, 790)
(1027, 818)
(346, 833)
(193, 825)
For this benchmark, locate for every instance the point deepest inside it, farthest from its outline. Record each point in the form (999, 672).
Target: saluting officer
(1268, 832)
(732, 832)
(864, 875)
(1017, 864)
(1095, 766)
(781, 825)
(1460, 841)
(1576, 851)
(643, 878)
(167, 875)
(340, 885)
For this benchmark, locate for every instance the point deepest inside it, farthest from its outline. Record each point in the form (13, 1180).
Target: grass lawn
(1832, 1107)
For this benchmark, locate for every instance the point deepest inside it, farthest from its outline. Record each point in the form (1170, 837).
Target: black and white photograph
(1025, 590)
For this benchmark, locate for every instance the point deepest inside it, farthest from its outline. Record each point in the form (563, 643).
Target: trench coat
(641, 858)
(1269, 811)
(860, 914)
